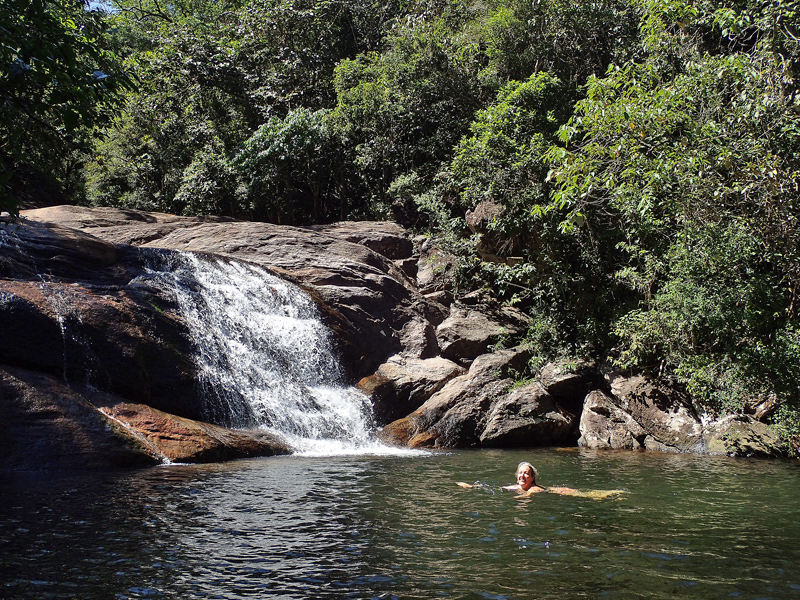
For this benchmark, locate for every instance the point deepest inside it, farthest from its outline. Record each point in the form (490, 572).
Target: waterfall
(264, 357)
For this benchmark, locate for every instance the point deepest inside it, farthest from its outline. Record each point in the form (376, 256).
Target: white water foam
(265, 358)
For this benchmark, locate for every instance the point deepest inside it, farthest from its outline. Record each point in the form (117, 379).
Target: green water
(399, 527)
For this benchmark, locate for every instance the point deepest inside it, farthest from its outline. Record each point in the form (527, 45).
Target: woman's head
(526, 475)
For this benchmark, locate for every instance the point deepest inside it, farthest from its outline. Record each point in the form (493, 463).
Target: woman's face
(525, 478)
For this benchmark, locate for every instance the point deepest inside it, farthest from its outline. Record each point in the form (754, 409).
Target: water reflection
(295, 527)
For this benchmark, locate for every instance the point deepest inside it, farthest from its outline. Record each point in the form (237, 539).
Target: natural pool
(398, 526)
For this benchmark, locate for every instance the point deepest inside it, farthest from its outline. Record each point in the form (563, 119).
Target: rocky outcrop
(367, 297)
(645, 414)
(78, 315)
(486, 408)
(483, 408)
(49, 424)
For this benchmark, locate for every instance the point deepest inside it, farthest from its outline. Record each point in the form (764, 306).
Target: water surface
(399, 527)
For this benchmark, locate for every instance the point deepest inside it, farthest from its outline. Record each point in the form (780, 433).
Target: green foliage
(404, 109)
(571, 40)
(289, 167)
(500, 165)
(212, 73)
(57, 81)
(690, 166)
(209, 185)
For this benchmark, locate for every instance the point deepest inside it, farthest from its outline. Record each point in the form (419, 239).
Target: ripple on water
(370, 527)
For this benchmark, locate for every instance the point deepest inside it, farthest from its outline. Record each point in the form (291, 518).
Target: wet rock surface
(366, 297)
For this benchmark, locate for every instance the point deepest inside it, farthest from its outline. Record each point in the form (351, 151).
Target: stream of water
(298, 527)
(265, 359)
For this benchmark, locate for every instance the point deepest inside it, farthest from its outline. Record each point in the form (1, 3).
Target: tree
(288, 166)
(212, 74)
(57, 82)
(688, 162)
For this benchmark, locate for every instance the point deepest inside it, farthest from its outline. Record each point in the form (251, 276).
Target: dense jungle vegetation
(626, 171)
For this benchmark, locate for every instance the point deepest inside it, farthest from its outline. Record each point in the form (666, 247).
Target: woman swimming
(526, 483)
(526, 480)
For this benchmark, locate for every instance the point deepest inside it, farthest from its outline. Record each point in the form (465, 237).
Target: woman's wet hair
(526, 465)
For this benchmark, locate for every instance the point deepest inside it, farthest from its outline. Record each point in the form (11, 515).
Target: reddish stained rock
(185, 440)
(47, 425)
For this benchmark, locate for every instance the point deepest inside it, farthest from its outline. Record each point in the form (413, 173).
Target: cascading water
(264, 357)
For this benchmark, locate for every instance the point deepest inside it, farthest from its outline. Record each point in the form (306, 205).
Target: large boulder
(741, 435)
(664, 411)
(402, 384)
(570, 383)
(529, 416)
(483, 408)
(475, 323)
(604, 425)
